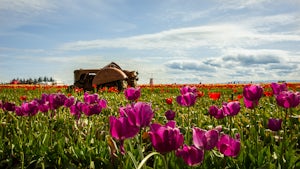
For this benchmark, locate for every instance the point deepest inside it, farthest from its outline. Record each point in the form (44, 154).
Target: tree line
(32, 80)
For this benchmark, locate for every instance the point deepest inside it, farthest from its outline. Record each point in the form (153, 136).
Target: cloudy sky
(172, 41)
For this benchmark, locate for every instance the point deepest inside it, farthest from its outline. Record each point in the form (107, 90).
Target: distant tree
(51, 79)
(30, 81)
(40, 79)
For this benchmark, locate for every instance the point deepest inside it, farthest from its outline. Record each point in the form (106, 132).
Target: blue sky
(172, 41)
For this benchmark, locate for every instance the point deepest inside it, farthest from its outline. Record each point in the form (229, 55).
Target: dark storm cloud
(246, 60)
(190, 66)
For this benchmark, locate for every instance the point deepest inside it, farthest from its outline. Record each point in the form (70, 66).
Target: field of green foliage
(163, 126)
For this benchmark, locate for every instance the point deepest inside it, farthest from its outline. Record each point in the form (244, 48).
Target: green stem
(140, 145)
(229, 124)
(50, 128)
(22, 160)
(283, 147)
(189, 126)
(256, 135)
(224, 162)
(150, 155)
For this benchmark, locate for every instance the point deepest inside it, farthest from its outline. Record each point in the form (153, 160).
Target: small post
(151, 81)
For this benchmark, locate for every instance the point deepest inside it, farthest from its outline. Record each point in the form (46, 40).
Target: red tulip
(169, 100)
(215, 95)
(23, 98)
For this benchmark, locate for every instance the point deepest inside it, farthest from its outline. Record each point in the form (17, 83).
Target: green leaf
(150, 155)
(133, 159)
(217, 153)
(261, 156)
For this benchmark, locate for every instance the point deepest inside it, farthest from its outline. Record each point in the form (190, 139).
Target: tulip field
(203, 126)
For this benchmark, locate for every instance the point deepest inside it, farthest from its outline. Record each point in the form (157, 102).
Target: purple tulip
(91, 105)
(231, 108)
(216, 112)
(125, 110)
(253, 92)
(187, 99)
(205, 139)
(229, 146)
(102, 103)
(274, 124)
(277, 88)
(19, 111)
(288, 99)
(45, 97)
(132, 93)
(165, 138)
(27, 109)
(91, 109)
(191, 155)
(43, 103)
(139, 114)
(43, 100)
(43, 108)
(90, 98)
(69, 101)
(8, 106)
(76, 109)
(170, 115)
(188, 89)
(250, 104)
(56, 100)
(120, 129)
(30, 108)
(143, 114)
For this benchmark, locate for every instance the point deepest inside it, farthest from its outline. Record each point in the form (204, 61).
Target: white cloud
(237, 4)
(20, 12)
(213, 36)
(26, 6)
(202, 41)
(189, 65)
(271, 21)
